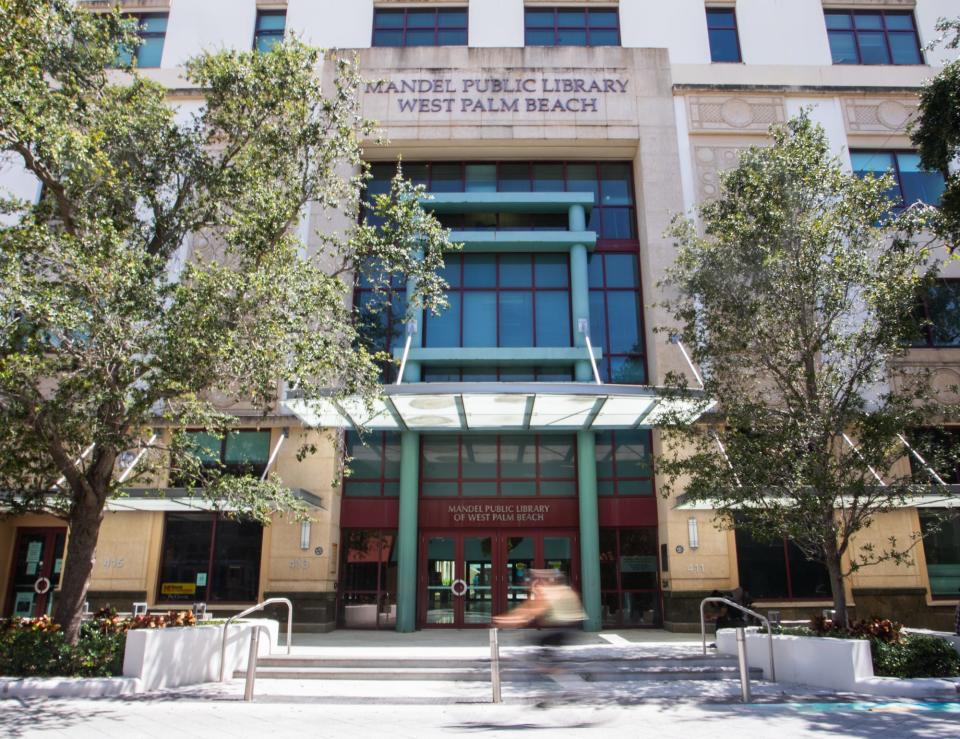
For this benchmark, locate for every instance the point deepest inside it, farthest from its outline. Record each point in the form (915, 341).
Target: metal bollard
(744, 666)
(252, 664)
(495, 665)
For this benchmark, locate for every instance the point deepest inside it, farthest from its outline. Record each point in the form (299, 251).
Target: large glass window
(368, 579)
(911, 183)
(380, 317)
(779, 570)
(939, 312)
(722, 30)
(616, 322)
(940, 449)
(481, 465)
(516, 300)
(420, 26)
(941, 548)
(624, 463)
(374, 465)
(240, 452)
(571, 26)
(629, 578)
(873, 37)
(269, 29)
(152, 30)
(209, 558)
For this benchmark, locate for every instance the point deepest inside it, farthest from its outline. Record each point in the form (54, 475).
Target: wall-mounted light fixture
(693, 535)
(305, 535)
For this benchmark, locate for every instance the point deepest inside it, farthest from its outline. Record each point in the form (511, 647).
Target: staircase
(515, 666)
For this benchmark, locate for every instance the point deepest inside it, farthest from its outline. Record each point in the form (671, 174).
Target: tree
(798, 302)
(162, 263)
(936, 133)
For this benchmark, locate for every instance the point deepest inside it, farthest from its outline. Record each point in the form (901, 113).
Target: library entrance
(467, 577)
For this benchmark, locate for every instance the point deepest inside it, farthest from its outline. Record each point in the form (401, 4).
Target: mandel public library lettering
(557, 141)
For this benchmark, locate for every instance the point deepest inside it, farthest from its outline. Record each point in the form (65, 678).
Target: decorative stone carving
(713, 113)
(878, 115)
(709, 162)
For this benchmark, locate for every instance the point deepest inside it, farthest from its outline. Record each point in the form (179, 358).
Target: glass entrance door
(37, 566)
(466, 578)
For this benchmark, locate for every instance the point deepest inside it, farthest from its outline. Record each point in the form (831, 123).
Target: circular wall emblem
(679, 549)
(42, 585)
(458, 587)
(318, 551)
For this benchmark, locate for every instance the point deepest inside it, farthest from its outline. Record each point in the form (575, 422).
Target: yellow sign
(178, 588)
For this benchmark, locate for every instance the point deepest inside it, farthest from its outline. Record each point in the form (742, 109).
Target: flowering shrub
(36, 647)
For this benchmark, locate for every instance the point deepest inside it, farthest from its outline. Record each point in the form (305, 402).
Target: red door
(36, 571)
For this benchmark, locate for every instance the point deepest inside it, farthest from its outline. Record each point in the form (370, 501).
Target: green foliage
(936, 132)
(168, 263)
(38, 648)
(796, 302)
(917, 655)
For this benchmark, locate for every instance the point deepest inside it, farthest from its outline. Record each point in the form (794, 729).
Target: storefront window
(368, 585)
(624, 465)
(480, 465)
(779, 570)
(209, 558)
(629, 580)
(941, 547)
(240, 452)
(374, 466)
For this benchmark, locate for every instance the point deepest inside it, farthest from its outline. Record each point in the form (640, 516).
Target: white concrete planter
(168, 658)
(839, 664)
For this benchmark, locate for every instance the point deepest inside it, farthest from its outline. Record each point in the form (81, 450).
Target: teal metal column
(579, 290)
(589, 530)
(411, 372)
(407, 534)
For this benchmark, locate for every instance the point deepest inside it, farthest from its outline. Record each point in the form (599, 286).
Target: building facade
(557, 141)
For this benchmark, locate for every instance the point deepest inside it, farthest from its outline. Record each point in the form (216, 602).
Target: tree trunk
(78, 566)
(832, 560)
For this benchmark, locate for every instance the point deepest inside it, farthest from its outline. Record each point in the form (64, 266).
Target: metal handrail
(495, 665)
(253, 609)
(251, 675)
(744, 609)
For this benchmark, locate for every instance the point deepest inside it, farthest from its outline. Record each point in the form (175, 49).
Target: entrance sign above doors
(460, 513)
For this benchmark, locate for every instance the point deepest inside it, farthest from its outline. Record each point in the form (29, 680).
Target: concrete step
(506, 661)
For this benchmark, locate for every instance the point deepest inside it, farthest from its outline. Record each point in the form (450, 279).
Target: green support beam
(589, 530)
(407, 533)
(411, 372)
(579, 291)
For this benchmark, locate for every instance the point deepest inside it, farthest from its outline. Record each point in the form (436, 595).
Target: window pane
(271, 21)
(604, 453)
(388, 19)
(900, 21)
(615, 184)
(904, 48)
(603, 19)
(452, 18)
(873, 48)
(633, 453)
(540, 38)
(868, 20)
(595, 272)
(634, 487)
(598, 320)
(723, 46)
(617, 223)
(918, 184)
(247, 447)
(446, 178)
(359, 489)
(451, 269)
(153, 24)
(518, 457)
(420, 38)
(571, 37)
(421, 18)
(583, 178)
(479, 270)
(452, 37)
(941, 545)
(838, 20)
(627, 370)
(807, 579)
(439, 489)
(366, 454)
(236, 561)
(478, 329)
(548, 178)
(843, 48)
(721, 19)
(480, 221)
(762, 568)
(604, 37)
(480, 457)
(943, 304)
(571, 19)
(205, 446)
(388, 38)
(479, 489)
(551, 270)
(186, 554)
(877, 163)
(150, 52)
(440, 457)
(514, 178)
(267, 41)
(558, 457)
(516, 319)
(621, 270)
(608, 559)
(444, 330)
(481, 177)
(553, 319)
(638, 559)
(516, 270)
(624, 332)
(539, 19)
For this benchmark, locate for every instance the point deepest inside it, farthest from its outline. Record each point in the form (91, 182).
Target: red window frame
(380, 438)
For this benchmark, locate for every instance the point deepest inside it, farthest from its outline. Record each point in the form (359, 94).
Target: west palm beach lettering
(497, 512)
(499, 94)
